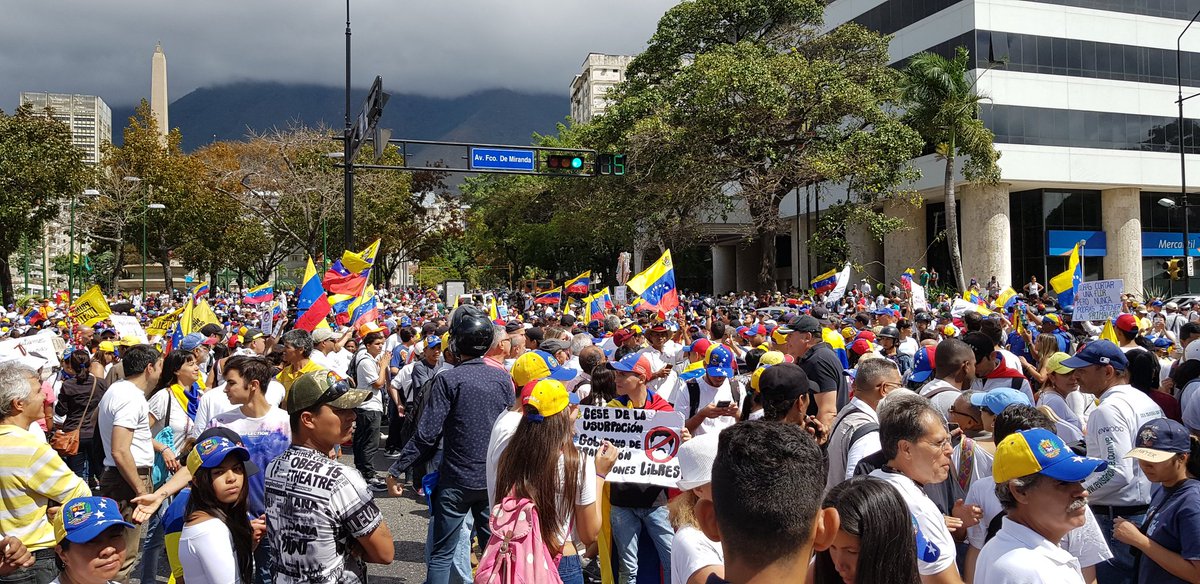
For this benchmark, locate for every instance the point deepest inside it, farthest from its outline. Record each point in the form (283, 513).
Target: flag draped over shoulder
(1065, 284)
(655, 286)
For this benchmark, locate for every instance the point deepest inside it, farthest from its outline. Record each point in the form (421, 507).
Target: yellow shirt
(32, 476)
(288, 376)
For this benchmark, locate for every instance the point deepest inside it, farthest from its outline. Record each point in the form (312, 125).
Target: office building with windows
(1082, 101)
(88, 117)
(599, 74)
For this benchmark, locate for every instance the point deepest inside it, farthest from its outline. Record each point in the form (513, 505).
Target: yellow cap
(754, 377)
(772, 358)
(1054, 363)
(106, 347)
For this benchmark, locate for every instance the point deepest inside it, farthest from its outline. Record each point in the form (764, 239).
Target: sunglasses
(337, 388)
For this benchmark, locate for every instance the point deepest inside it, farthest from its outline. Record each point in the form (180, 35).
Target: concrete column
(866, 251)
(748, 259)
(986, 236)
(724, 266)
(800, 275)
(905, 248)
(1121, 214)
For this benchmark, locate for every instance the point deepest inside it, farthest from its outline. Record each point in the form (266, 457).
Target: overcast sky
(430, 47)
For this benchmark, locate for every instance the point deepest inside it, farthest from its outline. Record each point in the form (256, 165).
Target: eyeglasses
(941, 445)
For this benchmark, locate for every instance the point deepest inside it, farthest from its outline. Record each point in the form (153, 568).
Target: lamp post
(146, 206)
(1183, 195)
(71, 246)
(348, 169)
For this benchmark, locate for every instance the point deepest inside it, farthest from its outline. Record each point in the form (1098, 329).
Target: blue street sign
(502, 159)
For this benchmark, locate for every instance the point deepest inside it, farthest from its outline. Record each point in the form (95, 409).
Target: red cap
(860, 347)
(867, 335)
(1127, 323)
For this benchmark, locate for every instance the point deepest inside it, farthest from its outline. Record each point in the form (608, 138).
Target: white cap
(696, 460)
(1192, 352)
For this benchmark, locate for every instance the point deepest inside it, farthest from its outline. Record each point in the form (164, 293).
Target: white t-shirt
(708, 395)
(180, 423)
(336, 361)
(502, 432)
(124, 404)
(939, 553)
(368, 373)
(667, 387)
(1070, 429)
(215, 402)
(909, 347)
(1019, 555)
(692, 551)
(206, 554)
(941, 400)
(1085, 542)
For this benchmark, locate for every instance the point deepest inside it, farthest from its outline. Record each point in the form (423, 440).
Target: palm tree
(942, 105)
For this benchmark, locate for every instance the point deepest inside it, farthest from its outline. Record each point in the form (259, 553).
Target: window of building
(1033, 214)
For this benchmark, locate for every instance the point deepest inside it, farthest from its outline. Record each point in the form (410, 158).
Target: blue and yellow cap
(1039, 451)
(84, 518)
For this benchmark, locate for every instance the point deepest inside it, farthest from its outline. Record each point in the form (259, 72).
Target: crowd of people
(870, 439)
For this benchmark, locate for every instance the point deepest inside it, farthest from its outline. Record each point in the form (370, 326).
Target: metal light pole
(71, 248)
(1183, 195)
(348, 169)
(145, 202)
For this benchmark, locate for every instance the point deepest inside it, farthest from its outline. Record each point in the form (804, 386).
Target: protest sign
(46, 347)
(1098, 300)
(647, 442)
(128, 327)
(918, 297)
(621, 295)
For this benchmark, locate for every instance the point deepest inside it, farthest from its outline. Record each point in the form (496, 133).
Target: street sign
(1189, 267)
(381, 141)
(502, 159)
(372, 109)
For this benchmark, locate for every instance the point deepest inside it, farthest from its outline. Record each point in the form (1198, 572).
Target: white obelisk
(158, 90)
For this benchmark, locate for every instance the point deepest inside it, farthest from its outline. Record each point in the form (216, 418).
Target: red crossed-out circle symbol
(661, 444)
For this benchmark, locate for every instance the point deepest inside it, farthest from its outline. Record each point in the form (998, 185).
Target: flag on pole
(1065, 284)
(594, 305)
(263, 293)
(656, 285)
(199, 291)
(906, 279)
(349, 274)
(579, 284)
(825, 282)
(493, 311)
(91, 307)
(843, 279)
(364, 309)
(552, 296)
(1109, 333)
(312, 304)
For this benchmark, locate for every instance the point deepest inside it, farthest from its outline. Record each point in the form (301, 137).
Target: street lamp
(146, 207)
(71, 245)
(1183, 198)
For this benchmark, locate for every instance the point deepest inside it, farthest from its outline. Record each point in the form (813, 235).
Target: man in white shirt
(1121, 490)
(713, 407)
(1040, 484)
(123, 421)
(328, 350)
(917, 446)
(215, 402)
(664, 355)
(855, 431)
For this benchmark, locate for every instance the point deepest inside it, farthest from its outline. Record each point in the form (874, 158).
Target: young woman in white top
(217, 542)
(694, 557)
(541, 463)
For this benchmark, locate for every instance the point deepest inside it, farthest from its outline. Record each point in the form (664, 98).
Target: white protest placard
(647, 442)
(128, 327)
(918, 297)
(46, 347)
(1098, 300)
(621, 295)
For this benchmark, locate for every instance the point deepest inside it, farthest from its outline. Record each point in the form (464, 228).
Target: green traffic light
(576, 162)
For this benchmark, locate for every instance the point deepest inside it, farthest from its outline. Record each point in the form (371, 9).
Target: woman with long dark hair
(874, 520)
(174, 401)
(217, 542)
(542, 464)
(604, 387)
(77, 401)
(1144, 370)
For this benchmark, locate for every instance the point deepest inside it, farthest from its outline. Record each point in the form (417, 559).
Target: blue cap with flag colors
(212, 451)
(84, 518)
(719, 361)
(923, 364)
(996, 400)
(1039, 451)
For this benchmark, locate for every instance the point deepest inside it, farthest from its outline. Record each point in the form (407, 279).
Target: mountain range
(229, 112)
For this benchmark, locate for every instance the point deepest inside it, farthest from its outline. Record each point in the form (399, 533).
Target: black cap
(211, 329)
(535, 334)
(802, 324)
(820, 312)
(513, 326)
(783, 382)
(567, 320)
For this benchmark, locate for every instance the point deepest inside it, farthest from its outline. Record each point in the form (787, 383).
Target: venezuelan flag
(906, 279)
(1067, 282)
(33, 315)
(579, 284)
(595, 306)
(825, 282)
(364, 308)
(838, 344)
(656, 285)
(199, 291)
(349, 274)
(311, 301)
(553, 296)
(1007, 298)
(258, 294)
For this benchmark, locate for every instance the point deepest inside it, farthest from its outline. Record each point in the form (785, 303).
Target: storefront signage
(1061, 243)
(1164, 244)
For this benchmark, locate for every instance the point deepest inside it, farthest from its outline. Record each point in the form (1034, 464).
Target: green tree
(942, 104)
(737, 103)
(40, 170)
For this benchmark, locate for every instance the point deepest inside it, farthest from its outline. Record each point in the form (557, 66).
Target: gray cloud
(429, 47)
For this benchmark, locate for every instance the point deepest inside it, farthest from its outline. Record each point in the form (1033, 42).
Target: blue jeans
(570, 570)
(451, 505)
(262, 562)
(153, 544)
(1119, 569)
(627, 523)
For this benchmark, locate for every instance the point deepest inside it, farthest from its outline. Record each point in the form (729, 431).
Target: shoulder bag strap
(91, 394)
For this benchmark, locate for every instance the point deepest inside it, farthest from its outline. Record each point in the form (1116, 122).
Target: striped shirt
(31, 476)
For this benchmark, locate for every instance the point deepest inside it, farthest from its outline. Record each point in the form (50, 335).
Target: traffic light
(564, 162)
(610, 164)
(1173, 269)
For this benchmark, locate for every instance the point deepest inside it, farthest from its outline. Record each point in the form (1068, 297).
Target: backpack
(516, 552)
(352, 372)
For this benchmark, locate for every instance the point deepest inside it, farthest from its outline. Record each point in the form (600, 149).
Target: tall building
(88, 116)
(600, 73)
(1082, 102)
(158, 90)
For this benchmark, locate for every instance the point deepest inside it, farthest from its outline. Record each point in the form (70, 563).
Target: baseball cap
(84, 518)
(860, 347)
(193, 340)
(553, 345)
(756, 377)
(232, 436)
(1160, 440)
(1039, 451)
(1100, 352)
(547, 396)
(775, 358)
(868, 335)
(1127, 323)
(755, 329)
(622, 336)
(783, 382)
(364, 330)
(1055, 363)
(433, 342)
(998, 399)
(779, 336)
(802, 324)
(699, 346)
(696, 458)
(252, 334)
(633, 363)
(106, 347)
(212, 451)
(321, 335)
(923, 364)
(513, 326)
(719, 362)
(323, 387)
(539, 364)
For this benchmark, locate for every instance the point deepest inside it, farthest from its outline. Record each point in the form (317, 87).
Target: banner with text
(647, 442)
(1098, 300)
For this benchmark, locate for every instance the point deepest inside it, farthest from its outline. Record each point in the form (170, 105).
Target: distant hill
(496, 116)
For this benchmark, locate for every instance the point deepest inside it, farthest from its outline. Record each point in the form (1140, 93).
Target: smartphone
(723, 403)
(669, 366)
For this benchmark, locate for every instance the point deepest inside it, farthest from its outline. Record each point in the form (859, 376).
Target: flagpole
(1082, 271)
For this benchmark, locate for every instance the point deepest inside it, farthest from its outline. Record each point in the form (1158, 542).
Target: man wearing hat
(1121, 490)
(664, 355)
(1039, 482)
(710, 405)
(820, 364)
(328, 349)
(254, 342)
(316, 506)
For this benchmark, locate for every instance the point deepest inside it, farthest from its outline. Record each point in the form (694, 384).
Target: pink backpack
(516, 553)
